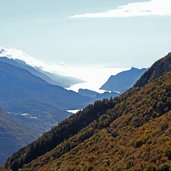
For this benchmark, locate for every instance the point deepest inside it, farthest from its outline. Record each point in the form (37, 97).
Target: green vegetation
(137, 138)
(64, 130)
(130, 132)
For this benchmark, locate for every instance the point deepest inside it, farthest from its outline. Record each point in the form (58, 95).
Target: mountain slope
(21, 64)
(135, 134)
(54, 79)
(145, 148)
(24, 85)
(13, 135)
(58, 134)
(97, 136)
(161, 66)
(123, 80)
(23, 93)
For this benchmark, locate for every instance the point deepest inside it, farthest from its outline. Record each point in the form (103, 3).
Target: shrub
(168, 153)
(118, 169)
(151, 167)
(138, 143)
(164, 126)
(164, 167)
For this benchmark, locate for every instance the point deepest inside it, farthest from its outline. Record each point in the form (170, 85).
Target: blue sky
(90, 39)
(48, 31)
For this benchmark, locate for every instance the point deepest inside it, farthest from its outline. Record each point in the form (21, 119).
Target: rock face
(123, 80)
(158, 68)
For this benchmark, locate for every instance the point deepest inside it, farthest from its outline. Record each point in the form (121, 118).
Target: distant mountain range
(19, 84)
(32, 103)
(33, 99)
(123, 80)
(50, 78)
(129, 132)
(116, 84)
(22, 92)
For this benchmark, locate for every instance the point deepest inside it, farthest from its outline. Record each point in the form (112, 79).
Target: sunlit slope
(137, 138)
(109, 134)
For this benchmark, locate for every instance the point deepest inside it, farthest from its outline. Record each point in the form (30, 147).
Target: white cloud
(150, 8)
(59, 68)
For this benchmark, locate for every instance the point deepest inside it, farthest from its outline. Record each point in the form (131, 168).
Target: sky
(99, 34)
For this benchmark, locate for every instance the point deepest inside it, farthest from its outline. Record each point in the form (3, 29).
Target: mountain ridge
(53, 79)
(28, 79)
(161, 66)
(123, 80)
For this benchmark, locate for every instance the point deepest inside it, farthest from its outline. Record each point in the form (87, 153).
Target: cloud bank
(58, 68)
(150, 8)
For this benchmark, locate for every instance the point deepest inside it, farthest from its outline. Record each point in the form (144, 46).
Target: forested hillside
(135, 134)
(58, 134)
(130, 132)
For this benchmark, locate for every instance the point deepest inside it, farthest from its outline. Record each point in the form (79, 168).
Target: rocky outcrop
(157, 69)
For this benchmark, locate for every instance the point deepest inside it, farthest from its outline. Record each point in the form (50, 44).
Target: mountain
(58, 134)
(123, 80)
(51, 78)
(95, 95)
(129, 132)
(22, 93)
(13, 135)
(161, 66)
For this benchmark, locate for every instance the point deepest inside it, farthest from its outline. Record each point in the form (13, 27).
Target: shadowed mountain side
(13, 135)
(33, 101)
(54, 79)
(123, 80)
(20, 85)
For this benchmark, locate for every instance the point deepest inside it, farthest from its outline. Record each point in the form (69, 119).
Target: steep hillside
(123, 80)
(120, 134)
(58, 134)
(161, 66)
(12, 135)
(134, 135)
